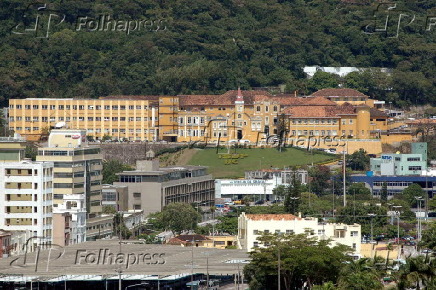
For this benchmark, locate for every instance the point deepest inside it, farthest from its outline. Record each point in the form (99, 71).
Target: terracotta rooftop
(272, 217)
(319, 111)
(374, 113)
(338, 93)
(123, 97)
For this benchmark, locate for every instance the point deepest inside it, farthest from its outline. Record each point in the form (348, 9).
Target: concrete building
(402, 164)
(77, 177)
(396, 184)
(5, 244)
(115, 196)
(283, 176)
(62, 228)
(26, 191)
(102, 227)
(150, 187)
(236, 189)
(251, 226)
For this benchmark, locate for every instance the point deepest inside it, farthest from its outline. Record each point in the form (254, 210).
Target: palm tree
(389, 247)
(416, 273)
(359, 275)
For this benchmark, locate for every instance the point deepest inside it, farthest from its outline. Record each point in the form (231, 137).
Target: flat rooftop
(102, 258)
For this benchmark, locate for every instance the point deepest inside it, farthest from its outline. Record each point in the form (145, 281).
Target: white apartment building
(251, 226)
(238, 188)
(26, 192)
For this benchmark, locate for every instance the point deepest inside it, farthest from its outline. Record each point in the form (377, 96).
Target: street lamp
(372, 215)
(419, 199)
(398, 227)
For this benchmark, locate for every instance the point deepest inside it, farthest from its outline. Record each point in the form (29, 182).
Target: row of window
(46, 119)
(80, 107)
(318, 121)
(340, 233)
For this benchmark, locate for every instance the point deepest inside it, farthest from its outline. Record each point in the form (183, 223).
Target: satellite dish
(60, 125)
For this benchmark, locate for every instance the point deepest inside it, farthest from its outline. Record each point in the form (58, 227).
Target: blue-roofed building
(396, 184)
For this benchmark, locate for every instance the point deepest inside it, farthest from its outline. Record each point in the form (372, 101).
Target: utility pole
(343, 165)
(371, 215)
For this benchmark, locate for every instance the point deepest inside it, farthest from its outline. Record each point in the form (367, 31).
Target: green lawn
(257, 158)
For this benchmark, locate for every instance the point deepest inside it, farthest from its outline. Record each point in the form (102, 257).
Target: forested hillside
(210, 46)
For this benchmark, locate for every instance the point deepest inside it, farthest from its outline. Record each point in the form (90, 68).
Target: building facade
(77, 177)
(251, 116)
(396, 184)
(251, 226)
(402, 164)
(26, 191)
(115, 196)
(150, 187)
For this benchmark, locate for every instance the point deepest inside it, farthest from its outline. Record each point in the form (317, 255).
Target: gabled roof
(338, 93)
(374, 113)
(320, 111)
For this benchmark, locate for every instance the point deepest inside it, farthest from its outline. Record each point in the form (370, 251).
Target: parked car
(259, 202)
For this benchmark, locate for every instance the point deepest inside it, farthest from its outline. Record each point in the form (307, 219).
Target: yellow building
(119, 117)
(248, 117)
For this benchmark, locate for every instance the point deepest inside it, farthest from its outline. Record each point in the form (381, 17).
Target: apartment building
(77, 177)
(251, 226)
(250, 116)
(151, 187)
(26, 191)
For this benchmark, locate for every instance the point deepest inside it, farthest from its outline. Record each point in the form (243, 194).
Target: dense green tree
(356, 212)
(359, 160)
(359, 191)
(303, 260)
(359, 275)
(213, 46)
(319, 179)
(119, 227)
(111, 168)
(293, 195)
(178, 217)
(410, 193)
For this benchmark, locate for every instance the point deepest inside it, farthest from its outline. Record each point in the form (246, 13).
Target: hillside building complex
(150, 187)
(251, 116)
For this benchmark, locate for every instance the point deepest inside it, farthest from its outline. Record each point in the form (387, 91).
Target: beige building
(114, 196)
(150, 187)
(251, 226)
(77, 177)
(26, 192)
(62, 228)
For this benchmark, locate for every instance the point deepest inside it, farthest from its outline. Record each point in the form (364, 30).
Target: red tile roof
(338, 93)
(272, 217)
(122, 97)
(319, 111)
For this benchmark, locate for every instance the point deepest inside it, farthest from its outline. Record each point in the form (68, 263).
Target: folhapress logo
(106, 257)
